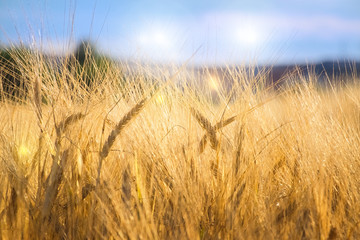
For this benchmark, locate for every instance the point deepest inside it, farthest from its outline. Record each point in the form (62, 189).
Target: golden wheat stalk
(37, 99)
(63, 125)
(224, 123)
(59, 160)
(239, 149)
(53, 183)
(206, 125)
(120, 126)
(126, 186)
(116, 131)
(203, 143)
(210, 130)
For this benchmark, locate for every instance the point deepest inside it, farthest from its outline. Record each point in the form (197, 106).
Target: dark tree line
(85, 63)
(11, 77)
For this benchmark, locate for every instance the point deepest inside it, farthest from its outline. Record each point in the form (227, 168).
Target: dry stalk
(203, 143)
(224, 123)
(206, 125)
(54, 181)
(210, 130)
(120, 126)
(37, 99)
(62, 127)
(126, 186)
(116, 131)
(59, 160)
(239, 148)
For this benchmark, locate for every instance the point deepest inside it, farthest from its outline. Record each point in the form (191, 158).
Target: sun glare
(23, 151)
(213, 82)
(157, 42)
(249, 36)
(154, 37)
(160, 38)
(160, 99)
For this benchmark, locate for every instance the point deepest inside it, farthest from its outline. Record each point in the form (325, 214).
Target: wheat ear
(120, 126)
(59, 160)
(63, 125)
(218, 126)
(37, 99)
(116, 131)
(224, 123)
(206, 125)
(203, 143)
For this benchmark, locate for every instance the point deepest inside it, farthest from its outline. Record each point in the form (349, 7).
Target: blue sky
(272, 31)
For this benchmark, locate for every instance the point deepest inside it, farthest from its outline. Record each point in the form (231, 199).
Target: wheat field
(164, 153)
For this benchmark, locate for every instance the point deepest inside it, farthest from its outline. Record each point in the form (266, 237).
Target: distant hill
(333, 70)
(278, 74)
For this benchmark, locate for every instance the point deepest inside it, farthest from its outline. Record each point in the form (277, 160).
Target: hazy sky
(265, 31)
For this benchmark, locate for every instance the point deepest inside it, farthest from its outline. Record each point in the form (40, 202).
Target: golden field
(159, 154)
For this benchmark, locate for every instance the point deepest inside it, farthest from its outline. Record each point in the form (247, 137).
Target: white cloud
(159, 41)
(317, 25)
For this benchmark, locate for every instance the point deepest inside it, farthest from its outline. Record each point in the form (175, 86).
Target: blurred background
(224, 32)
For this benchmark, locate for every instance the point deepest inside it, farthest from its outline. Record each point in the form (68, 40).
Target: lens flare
(160, 99)
(23, 151)
(213, 82)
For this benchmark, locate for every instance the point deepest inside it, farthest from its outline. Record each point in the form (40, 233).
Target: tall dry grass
(130, 160)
